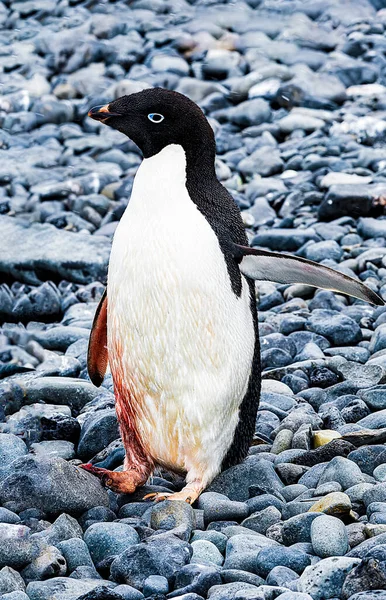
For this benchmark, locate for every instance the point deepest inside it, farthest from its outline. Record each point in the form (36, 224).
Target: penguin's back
(181, 333)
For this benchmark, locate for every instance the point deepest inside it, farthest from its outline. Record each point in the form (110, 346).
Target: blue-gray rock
(55, 448)
(63, 588)
(242, 549)
(298, 528)
(195, 579)
(268, 558)
(258, 503)
(127, 592)
(105, 540)
(97, 432)
(329, 537)
(63, 528)
(323, 250)
(375, 420)
(217, 538)
(15, 596)
(368, 457)
(295, 596)
(10, 581)
(11, 448)
(18, 547)
(231, 591)
(281, 576)
(343, 471)
(76, 553)
(49, 563)
(376, 494)
(380, 473)
(206, 553)
(155, 584)
(284, 239)
(336, 327)
(7, 516)
(163, 554)
(176, 516)
(235, 482)
(260, 521)
(75, 257)
(325, 579)
(53, 485)
(375, 397)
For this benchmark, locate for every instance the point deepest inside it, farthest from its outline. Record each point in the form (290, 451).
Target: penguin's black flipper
(97, 356)
(284, 268)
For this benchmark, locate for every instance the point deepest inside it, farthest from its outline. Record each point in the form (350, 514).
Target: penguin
(178, 324)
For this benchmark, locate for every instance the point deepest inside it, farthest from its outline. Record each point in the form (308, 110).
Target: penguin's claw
(123, 482)
(188, 495)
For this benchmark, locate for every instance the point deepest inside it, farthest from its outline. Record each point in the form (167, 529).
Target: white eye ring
(155, 117)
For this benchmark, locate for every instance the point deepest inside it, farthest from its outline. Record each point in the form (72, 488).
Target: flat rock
(76, 257)
(51, 484)
(63, 588)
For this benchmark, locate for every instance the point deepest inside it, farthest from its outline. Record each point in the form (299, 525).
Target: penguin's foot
(188, 494)
(122, 482)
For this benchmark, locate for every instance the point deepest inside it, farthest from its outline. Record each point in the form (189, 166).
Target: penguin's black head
(156, 118)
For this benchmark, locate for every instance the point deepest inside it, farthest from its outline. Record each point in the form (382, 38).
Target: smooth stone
(72, 256)
(63, 588)
(204, 552)
(11, 448)
(376, 494)
(260, 521)
(336, 503)
(368, 457)
(217, 507)
(105, 540)
(217, 538)
(329, 537)
(18, 547)
(294, 596)
(242, 549)
(195, 579)
(155, 584)
(76, 553)
(163, 554)
(97, 432)
(231, 591)
(298, 528)
(235, 482)
(169, 515)
(268, 558)
(375, 397)
(7, 516)
(325, 579)
(343, 471)
(51, 484)
(54, 448)
(336, 327)
(281, 576)
(127, 592)
(380, 473)
(10, 580)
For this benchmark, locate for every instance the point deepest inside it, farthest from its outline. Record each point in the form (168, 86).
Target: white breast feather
(183, 335)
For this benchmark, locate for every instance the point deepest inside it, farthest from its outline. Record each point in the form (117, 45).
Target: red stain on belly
(129, 402)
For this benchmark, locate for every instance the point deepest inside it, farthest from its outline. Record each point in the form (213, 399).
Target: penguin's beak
(101, 113)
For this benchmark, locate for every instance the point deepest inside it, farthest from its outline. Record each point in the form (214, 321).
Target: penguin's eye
(155, 117)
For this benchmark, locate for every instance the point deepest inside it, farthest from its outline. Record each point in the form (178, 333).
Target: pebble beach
(295, 91)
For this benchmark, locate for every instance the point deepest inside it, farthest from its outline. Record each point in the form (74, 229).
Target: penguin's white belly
(180, 341)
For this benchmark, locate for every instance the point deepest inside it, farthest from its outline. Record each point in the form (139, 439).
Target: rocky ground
(296, 93)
